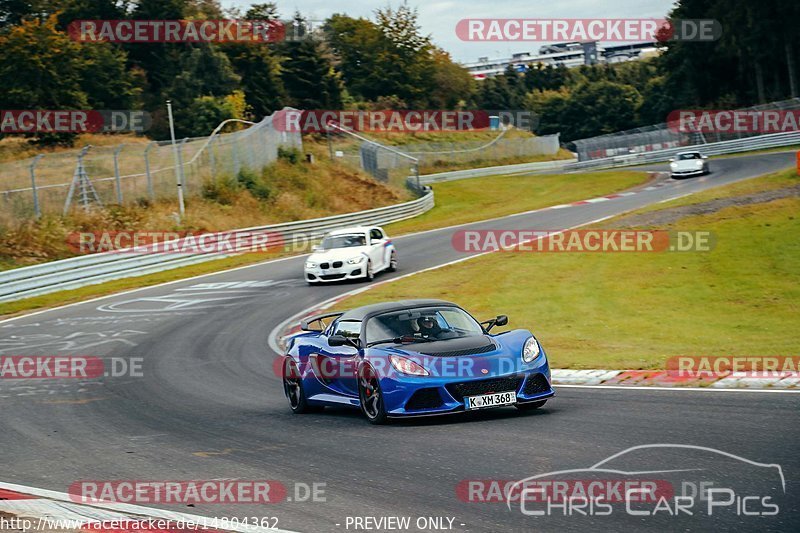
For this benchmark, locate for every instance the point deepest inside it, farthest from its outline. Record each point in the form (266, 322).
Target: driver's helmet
(427, 324)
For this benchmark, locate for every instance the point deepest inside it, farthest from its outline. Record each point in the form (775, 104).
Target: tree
(308, 75)
(452, 86)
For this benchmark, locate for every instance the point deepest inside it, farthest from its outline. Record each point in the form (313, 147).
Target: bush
(255, 184)
(292, 155)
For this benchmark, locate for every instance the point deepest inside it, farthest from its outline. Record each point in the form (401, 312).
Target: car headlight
(407, 366)
(673, 165)
(531, 350)
(355, 260)
(699, 163)
(309, 264)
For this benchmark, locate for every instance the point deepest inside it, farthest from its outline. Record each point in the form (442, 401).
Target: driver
(428, 326)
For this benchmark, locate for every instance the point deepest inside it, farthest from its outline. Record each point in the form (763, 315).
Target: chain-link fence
(386, 164)
(135, 171)
(401, 165)
(440, 155)
(661, 137)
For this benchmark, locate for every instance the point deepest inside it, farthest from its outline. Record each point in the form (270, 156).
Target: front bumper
(687, 173)
(335, 273)
(425, 396)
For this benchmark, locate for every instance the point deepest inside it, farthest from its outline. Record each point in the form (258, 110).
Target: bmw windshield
(343, 241)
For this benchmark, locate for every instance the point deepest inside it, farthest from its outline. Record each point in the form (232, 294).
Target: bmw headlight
(673, 165)
(699, 162)
(531, 350)
(309, 264)
(355, 260)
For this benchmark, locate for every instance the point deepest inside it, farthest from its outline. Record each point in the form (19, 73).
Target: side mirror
(499, 320)
(341, 340)
(704, 156)
(337, 340)
(316, 248)
(671, 159)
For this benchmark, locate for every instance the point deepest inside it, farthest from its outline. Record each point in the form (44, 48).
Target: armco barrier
(762, 142)
(491, 171)
(97, 268)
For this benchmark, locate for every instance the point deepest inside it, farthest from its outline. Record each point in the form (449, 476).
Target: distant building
(568, 54)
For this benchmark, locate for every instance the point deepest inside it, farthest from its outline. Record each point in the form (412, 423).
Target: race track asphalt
(208, 405)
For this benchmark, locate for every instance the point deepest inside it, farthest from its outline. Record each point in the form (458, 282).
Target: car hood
(468, 357)
(337, 254)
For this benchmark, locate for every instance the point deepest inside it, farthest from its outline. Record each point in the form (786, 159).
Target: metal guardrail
(91, 269)
(491, 171)
(749, 144)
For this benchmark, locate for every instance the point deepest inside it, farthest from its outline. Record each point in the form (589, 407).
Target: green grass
(471, 200)
(635, 310)
(776, 180)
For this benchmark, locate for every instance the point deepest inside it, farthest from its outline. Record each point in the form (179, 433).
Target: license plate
(490, 400)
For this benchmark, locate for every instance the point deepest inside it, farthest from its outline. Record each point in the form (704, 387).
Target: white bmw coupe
(351, 253)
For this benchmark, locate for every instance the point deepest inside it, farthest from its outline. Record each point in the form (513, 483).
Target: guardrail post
(150, 192)
(117, 179)
(36, 208)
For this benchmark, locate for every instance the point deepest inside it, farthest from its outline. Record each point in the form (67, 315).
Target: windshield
(423, 324)
(693, 155)
(344, 241)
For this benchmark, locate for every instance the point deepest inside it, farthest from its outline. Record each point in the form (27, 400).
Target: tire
(392, 262)
(530, 406)
(293, 389)
(370, 274)
(370, 396)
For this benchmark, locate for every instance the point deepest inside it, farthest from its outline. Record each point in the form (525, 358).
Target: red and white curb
(662, 378)
(49, 510)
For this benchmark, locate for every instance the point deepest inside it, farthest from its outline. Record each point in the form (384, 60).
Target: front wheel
(371, 396)
(370, 274)
(532, 406)
(293, 389)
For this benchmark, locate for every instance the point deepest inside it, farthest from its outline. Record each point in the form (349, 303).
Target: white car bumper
(335, 271)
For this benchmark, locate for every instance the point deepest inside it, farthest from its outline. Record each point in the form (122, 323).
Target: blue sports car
(412, 358)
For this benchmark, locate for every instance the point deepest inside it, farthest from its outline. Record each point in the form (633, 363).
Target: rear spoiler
(305, 324)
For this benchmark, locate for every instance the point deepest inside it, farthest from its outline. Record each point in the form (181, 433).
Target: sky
(439, 17)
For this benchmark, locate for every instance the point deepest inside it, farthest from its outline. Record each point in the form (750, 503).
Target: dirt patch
(673, 214)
